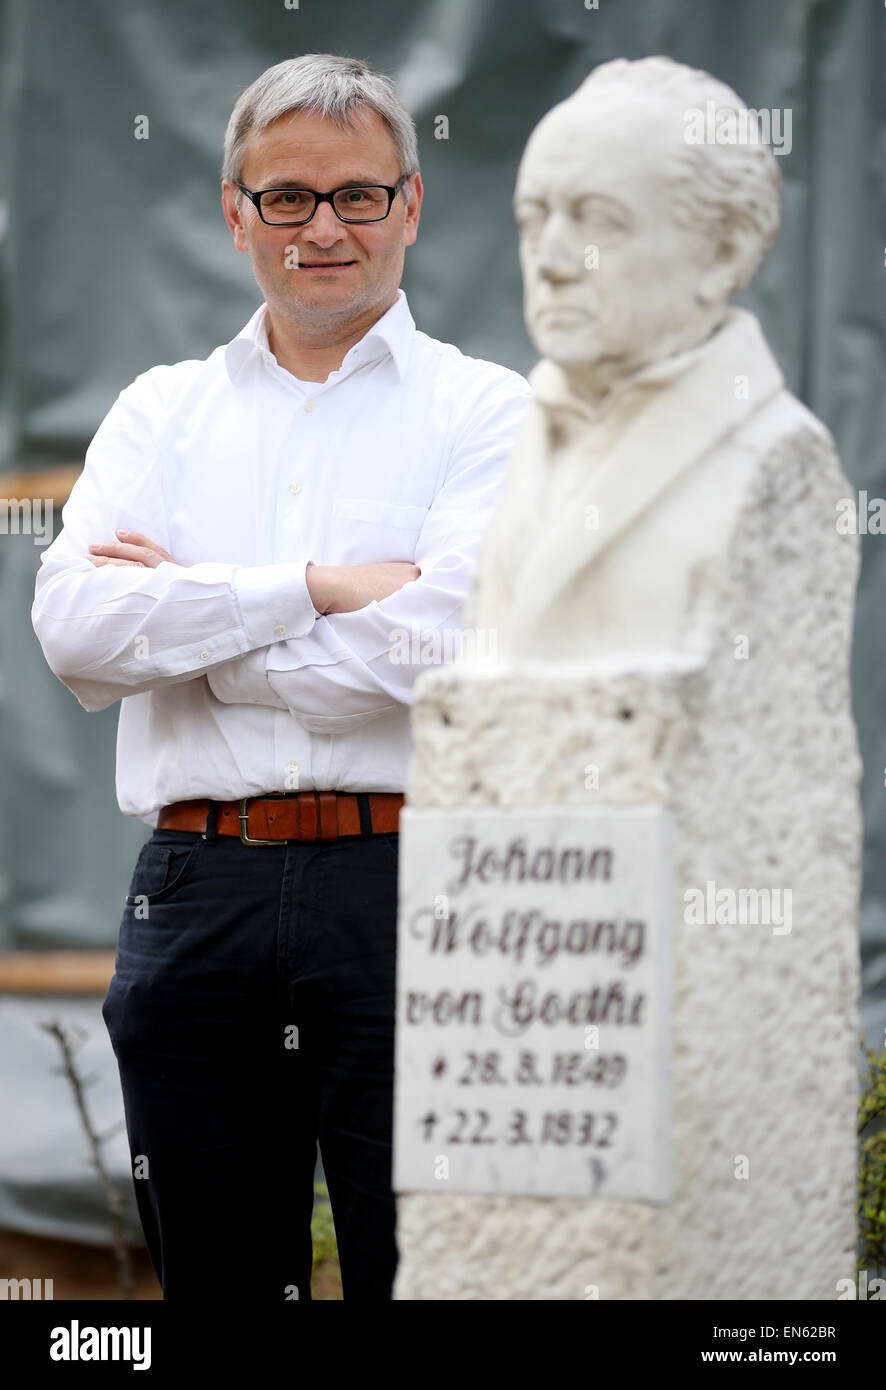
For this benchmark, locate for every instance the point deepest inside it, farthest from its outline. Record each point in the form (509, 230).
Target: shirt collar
(391, 336)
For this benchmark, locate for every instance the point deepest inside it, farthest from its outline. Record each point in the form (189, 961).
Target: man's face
(609, 277)
(325, 273)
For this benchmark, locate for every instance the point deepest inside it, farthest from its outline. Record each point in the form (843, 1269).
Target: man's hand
(345, 588)
(132, 549)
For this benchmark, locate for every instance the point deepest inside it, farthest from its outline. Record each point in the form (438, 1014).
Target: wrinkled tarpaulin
(116, 258)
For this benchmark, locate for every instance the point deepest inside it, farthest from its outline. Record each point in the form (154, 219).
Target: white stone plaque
(534, 1002)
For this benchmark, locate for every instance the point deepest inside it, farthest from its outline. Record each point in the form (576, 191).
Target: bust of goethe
(654, 399)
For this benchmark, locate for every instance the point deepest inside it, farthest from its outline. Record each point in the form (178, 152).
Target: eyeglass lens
(293, 204)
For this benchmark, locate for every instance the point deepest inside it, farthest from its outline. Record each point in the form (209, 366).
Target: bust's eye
(604, 220)
(531, 217)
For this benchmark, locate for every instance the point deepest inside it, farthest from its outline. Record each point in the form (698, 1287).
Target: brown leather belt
(280, 816)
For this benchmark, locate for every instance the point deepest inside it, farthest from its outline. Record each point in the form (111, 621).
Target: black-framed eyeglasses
(292, 207)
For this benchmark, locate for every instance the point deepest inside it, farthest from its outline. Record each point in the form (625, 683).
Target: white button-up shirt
(244, 474)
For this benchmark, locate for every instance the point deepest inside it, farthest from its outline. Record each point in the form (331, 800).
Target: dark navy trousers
(252, 1016)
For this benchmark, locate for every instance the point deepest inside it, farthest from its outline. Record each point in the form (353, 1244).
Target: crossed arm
(253, 631)
(333, 589)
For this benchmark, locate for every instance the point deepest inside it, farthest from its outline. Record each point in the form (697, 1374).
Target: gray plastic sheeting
(116, 258)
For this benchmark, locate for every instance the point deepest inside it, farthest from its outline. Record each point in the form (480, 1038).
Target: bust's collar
(737, 333)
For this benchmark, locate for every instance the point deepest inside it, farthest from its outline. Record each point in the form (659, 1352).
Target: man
(654, 395)
(250, 539)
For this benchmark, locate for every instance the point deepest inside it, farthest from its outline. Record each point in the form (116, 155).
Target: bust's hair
(325, 83)
(716, 189)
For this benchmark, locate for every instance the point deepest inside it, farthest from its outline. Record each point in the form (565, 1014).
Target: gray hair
(331, 86)
(716, 189)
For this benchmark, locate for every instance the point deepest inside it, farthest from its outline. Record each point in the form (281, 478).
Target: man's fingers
(121, 552)
(139, 553)
(132, 548)
(110, 560)
(136, 538)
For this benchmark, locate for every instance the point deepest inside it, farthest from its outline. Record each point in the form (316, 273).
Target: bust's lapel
(684, 419)
(513, 529)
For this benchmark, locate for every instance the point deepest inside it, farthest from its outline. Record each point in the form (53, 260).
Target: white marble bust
(655, 399)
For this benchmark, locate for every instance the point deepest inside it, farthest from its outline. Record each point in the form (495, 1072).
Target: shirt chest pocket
(365, 530)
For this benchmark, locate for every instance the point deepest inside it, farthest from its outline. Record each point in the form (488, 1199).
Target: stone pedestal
(750, 745)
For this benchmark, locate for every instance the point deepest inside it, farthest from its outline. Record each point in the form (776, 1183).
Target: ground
(89, 1272)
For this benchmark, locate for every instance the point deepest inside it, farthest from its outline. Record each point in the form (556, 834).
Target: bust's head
(632, 239)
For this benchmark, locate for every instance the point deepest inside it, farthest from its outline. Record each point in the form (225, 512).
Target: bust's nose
(559, 256)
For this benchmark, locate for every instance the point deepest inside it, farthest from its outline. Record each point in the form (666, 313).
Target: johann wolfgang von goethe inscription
(533, 1033)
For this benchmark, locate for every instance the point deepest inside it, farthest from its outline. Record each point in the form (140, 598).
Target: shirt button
(266, 357)
(309, 406)
(279, 629)
(204, 656)
(292, 767)
(295, 487)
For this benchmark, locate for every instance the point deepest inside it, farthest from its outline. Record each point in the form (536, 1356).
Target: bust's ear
(723, 275)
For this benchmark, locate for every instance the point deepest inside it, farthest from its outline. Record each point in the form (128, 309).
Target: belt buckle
(244, 818)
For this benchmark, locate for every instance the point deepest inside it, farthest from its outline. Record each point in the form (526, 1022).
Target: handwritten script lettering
(533, 1014)
(518, 864)
(531, 936)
